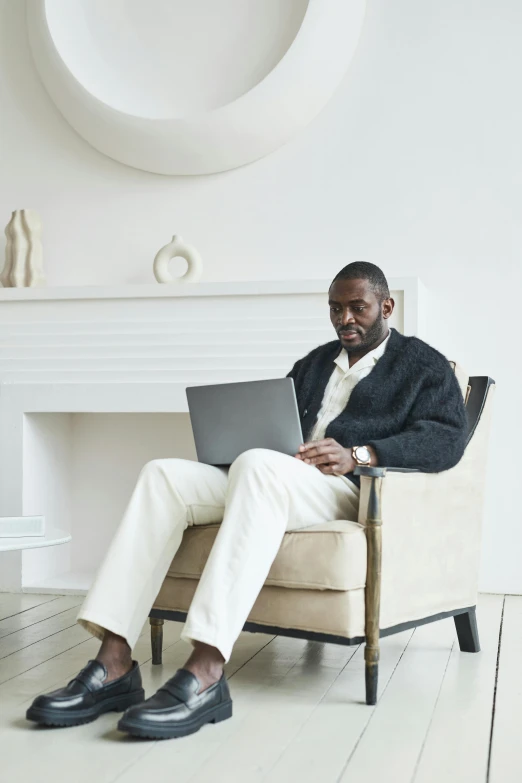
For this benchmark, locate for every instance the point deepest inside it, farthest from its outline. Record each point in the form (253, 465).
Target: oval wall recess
(174, 87)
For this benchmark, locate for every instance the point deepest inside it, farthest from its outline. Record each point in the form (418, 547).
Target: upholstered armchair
(412, 557)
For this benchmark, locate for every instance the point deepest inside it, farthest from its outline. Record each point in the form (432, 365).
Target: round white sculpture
(177, 87)
(175, 249)
(23, 251)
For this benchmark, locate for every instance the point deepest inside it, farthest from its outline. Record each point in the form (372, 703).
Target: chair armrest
(431, 525)
(361, 470)
(430, 538)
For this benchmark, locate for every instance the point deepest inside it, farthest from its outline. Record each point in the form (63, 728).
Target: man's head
(360, 305)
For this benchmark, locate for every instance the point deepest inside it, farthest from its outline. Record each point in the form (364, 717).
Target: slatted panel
(113, 351)
(191, 340)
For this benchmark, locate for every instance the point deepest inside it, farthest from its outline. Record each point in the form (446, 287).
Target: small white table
(52, 537)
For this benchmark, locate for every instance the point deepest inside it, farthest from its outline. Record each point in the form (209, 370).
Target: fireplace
(92, 386)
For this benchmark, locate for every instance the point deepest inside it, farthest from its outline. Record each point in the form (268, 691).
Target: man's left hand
(327, 455)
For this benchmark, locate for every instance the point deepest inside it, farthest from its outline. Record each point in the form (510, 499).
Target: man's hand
(327, 455)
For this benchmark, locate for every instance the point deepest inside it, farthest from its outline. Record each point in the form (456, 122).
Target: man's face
(357, 315)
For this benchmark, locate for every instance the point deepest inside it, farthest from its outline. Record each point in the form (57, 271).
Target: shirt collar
(369, 360)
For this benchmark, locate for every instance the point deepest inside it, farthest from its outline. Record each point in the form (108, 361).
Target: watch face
(363, 454)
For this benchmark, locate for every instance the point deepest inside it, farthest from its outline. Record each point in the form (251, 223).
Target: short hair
(363, 270)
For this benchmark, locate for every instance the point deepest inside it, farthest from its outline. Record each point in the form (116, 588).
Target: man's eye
(359, 309)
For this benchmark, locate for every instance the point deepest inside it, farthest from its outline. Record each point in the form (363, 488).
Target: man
(373, 397)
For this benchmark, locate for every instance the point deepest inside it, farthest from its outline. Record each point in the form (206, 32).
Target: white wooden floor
(298, 707)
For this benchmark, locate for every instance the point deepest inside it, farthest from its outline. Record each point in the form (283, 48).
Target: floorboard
(60, 668)
(270, 716)
(96, 751)
(187, 757)
(299, 711)
(461, 721)
(400, 723)
(36, 614)
(29, 657)
(506, 748)
(327, 738)
(13, 603)
(37, 632)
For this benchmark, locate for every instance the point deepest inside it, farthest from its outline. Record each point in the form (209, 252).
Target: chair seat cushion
(336, 612)
(329, 556)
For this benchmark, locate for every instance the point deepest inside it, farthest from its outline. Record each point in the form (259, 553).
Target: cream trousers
(262, 495)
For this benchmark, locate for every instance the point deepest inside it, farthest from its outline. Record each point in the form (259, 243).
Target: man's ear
(388, 307)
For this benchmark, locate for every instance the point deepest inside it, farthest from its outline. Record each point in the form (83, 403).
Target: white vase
(23, 252)
(177, 248)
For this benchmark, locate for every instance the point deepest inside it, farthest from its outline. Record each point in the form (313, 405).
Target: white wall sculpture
(177, 249)
(191, 88)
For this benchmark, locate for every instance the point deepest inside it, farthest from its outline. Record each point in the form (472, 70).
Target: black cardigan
(409, 408)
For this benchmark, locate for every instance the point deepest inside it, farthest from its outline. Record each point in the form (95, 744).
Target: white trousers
(262, 495)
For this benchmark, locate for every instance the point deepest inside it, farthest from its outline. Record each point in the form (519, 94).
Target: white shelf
(165, 290)
(161, 290)
(70, 583)
(53, 537)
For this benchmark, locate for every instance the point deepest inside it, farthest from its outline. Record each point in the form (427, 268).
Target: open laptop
(230, 418)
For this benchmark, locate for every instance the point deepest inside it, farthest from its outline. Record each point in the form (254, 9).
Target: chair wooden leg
(371, 675)
(467, 631)
(373, 589)
(156, 638)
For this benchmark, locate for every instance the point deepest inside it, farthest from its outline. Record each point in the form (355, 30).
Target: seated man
(372, 396)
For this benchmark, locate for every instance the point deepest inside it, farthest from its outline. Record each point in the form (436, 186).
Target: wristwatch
(362, 455)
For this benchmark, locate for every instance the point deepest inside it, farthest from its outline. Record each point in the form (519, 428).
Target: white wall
(415, 165)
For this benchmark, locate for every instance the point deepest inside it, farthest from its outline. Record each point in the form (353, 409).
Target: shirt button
(305, 411)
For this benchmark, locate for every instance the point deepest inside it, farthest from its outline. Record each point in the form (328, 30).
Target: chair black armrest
(403, 470)
(362, 470)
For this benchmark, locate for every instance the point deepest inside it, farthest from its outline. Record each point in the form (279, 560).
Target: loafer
(87, 696)
(178, 709)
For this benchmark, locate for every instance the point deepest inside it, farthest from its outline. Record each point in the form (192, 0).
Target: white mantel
(412, 286)
(92, 385)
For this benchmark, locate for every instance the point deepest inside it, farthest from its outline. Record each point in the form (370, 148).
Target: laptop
(230, 418)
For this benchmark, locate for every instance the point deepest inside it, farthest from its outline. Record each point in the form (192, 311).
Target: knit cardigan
(409, 408)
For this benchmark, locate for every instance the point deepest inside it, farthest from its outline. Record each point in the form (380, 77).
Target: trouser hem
(192, 635)
(98, 625)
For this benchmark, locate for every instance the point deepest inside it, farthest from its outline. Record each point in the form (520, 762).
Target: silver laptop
(230, 418)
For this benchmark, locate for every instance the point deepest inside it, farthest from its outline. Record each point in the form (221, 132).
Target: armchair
(412, 558)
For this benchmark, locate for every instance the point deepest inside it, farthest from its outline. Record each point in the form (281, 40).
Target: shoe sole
(151, 731)
(58, 719)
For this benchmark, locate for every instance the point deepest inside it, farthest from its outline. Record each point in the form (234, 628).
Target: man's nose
(347, 318)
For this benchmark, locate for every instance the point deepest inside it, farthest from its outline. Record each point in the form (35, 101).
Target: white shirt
(342, 382)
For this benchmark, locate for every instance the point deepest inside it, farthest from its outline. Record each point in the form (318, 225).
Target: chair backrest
(479, 388)
(475, 391)
(462, 378)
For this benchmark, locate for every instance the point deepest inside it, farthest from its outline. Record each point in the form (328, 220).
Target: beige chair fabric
(431, 542)
(321, 611)
(431, 534)
(331, 556)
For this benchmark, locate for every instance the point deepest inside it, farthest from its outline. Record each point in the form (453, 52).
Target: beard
(372, 335)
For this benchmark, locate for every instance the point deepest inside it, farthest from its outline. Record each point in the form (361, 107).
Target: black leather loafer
(86, 697)
(177, 709)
